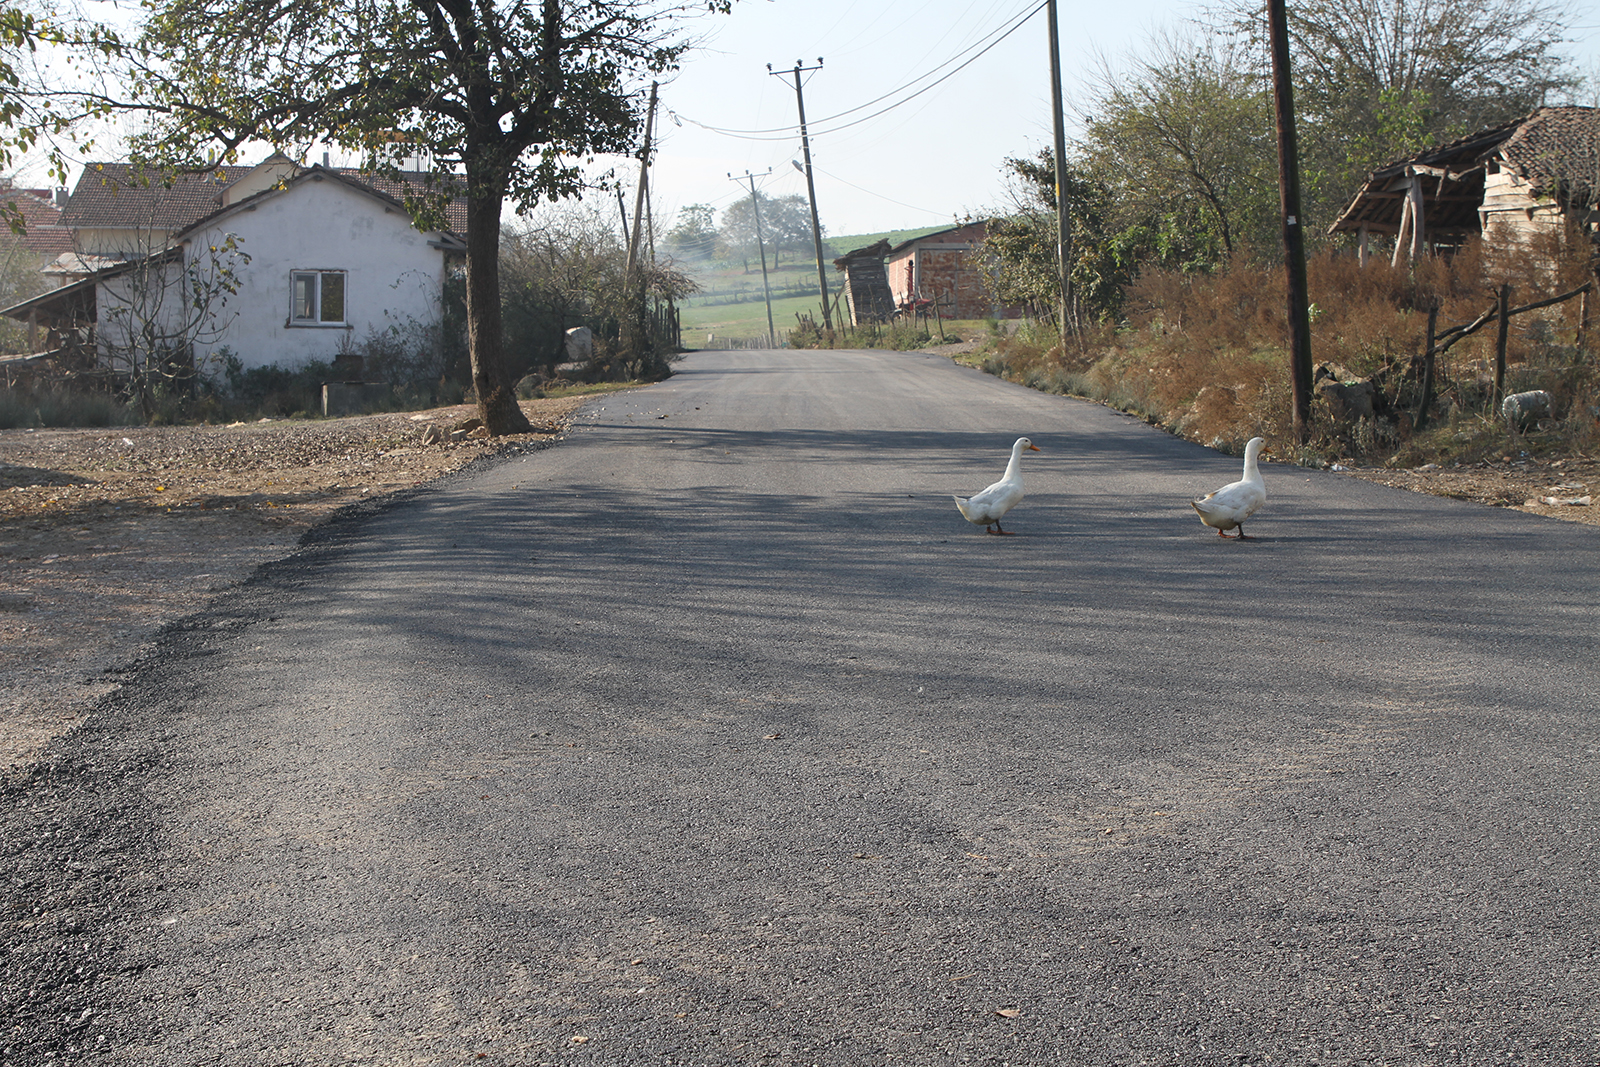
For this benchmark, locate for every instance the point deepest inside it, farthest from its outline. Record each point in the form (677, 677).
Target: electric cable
(819, 127)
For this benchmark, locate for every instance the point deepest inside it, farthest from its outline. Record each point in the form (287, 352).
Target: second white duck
(1228, 507)
(988, 507)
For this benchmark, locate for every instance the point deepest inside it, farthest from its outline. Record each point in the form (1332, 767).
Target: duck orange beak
(1034, 448)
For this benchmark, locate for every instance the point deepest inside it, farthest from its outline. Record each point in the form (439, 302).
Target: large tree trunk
(497, 400)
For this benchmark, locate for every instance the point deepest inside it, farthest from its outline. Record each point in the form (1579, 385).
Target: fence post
(1420, 419)
(1502, 328)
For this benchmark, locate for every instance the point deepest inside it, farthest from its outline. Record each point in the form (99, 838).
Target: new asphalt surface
(714, 735)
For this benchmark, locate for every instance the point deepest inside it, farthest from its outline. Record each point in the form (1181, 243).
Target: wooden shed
(1507, 183)
(866, 286)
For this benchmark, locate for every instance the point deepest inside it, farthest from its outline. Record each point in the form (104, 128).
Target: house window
(318, 297)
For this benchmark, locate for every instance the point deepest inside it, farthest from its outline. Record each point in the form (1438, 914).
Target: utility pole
(636, 339)
(761, 248)
(1063, 216)
(1294, 246)
(638, 200)
(811, 186)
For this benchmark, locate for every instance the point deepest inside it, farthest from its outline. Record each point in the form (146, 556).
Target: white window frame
(317, 279)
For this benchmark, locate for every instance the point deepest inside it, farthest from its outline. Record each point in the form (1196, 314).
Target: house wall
(943, 267)
(124, 242)
(1511, 214)
(141, 310)
(392, 276)
(275, 169)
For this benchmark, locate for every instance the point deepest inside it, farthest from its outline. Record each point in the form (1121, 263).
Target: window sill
(300, 324)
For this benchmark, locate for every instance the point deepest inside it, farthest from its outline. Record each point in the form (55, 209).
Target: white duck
(987, 508)
(1235, 502)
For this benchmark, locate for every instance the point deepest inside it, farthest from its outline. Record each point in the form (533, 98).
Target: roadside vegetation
(1204, 356)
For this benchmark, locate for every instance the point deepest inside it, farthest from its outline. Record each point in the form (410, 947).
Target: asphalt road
(713, 735)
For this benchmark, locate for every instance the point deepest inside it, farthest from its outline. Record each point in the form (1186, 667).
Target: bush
(274, 391)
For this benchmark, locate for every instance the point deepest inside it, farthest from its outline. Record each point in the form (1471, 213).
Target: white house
(279, 263)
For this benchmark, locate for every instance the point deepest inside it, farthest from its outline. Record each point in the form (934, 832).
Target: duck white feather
(1228, 507)
(988, 507)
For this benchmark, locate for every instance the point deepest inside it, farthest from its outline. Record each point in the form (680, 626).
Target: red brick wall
(943, 267)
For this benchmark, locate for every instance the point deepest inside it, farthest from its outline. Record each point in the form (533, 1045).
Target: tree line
(785, 231)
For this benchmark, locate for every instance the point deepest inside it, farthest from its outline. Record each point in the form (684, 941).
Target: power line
(782, 133)
(880, 196)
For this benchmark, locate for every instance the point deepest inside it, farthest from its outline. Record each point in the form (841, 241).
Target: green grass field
(731, 307)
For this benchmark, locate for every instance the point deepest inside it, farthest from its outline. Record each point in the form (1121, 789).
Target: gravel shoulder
(108, 535)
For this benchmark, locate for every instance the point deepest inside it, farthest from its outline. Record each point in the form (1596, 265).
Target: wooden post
(1063, 208)
(1294, 248)
(634, 330)
(811, 187)
(766, 289)
(639, 194)
(1402, 239)
(1583, 325)
(1420, 419)
(1365, 253)
(1419, 229)
(1502, 329)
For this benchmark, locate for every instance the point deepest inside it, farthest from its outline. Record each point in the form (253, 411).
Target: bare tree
(568, 270)
(1378, 79)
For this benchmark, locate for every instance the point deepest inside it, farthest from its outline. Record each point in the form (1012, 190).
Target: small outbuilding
(942, 273)
(1509, 184)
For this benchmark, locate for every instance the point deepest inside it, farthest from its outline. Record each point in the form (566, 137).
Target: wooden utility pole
(638, 199)
(1063, 217)
(811, 186)
(635, 337)
(761, 248)
(1419, 419)
(1294, 246)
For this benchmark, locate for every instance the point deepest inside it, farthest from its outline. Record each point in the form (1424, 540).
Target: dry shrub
(1207, 356)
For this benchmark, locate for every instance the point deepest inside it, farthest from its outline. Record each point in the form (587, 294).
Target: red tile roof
(455, 213)
(1558, 147)
(117, 195)
(45, 234)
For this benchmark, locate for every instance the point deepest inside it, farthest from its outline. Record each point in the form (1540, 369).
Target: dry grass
(1206, 356)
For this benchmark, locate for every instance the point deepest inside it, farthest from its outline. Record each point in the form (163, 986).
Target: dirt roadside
(108, 535)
